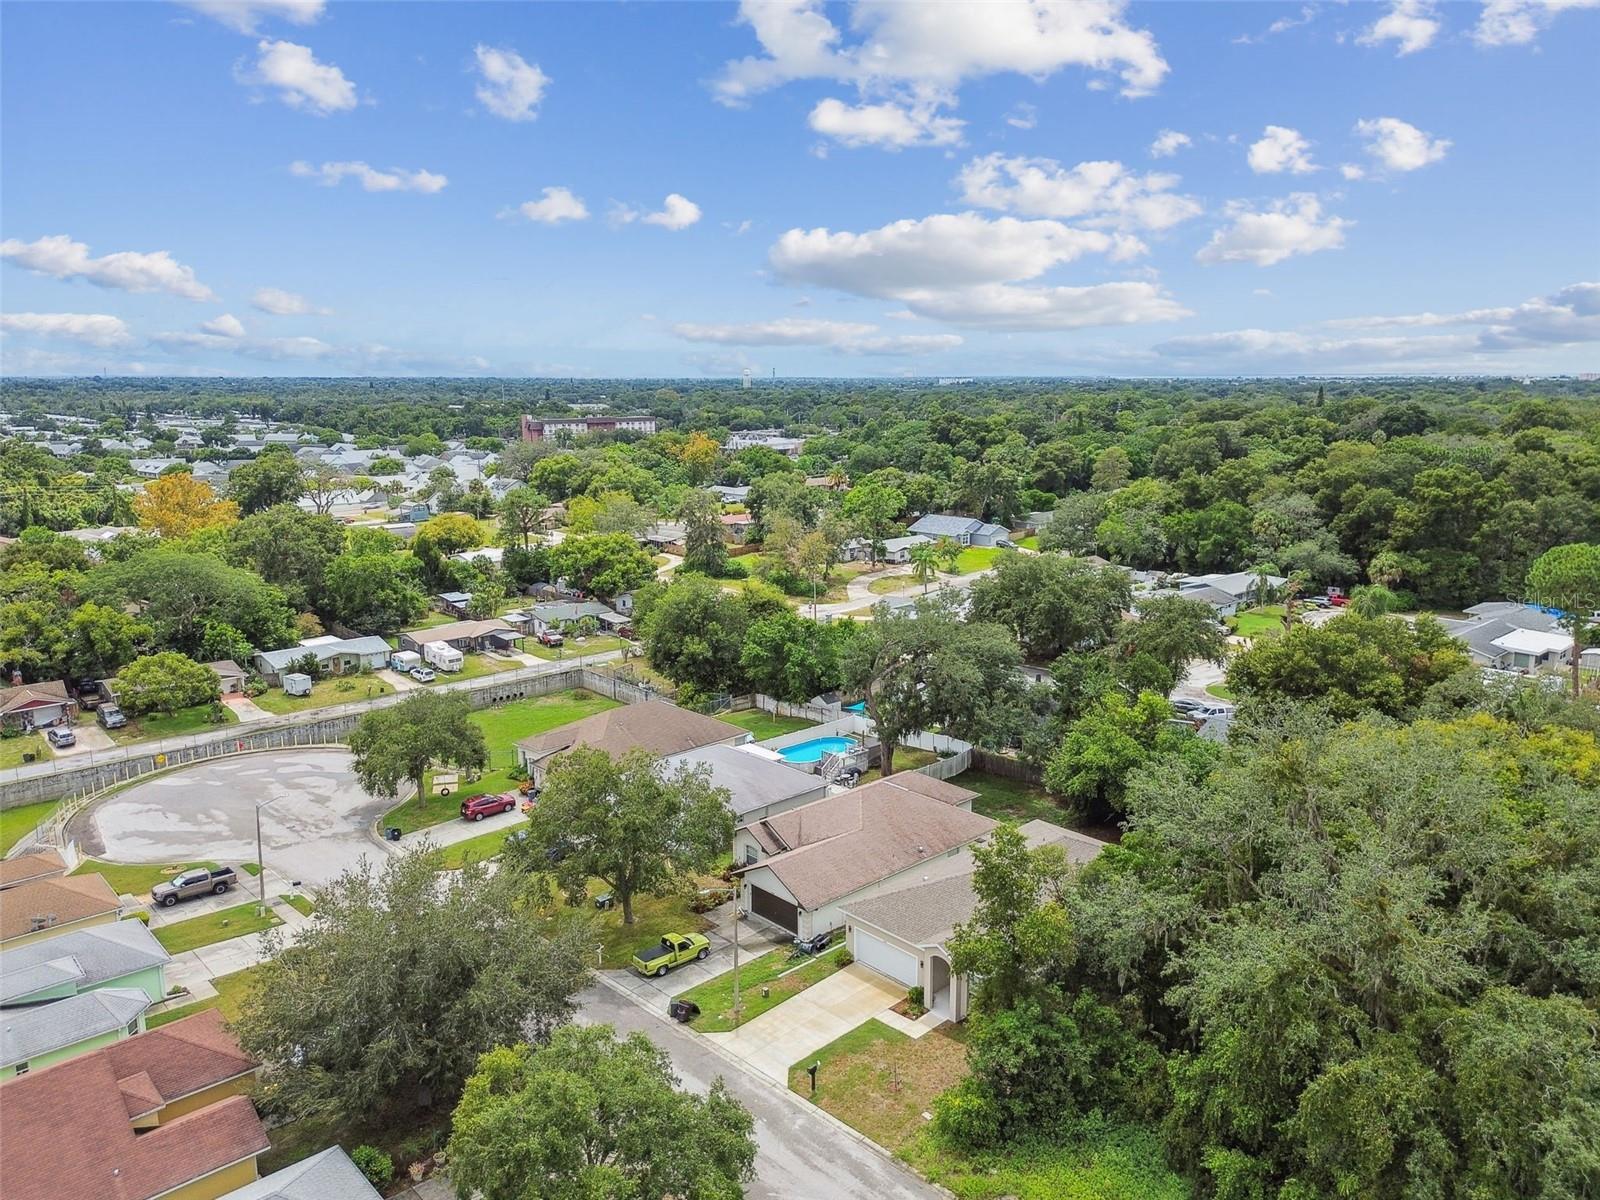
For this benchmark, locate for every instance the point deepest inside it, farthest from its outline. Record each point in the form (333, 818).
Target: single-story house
(28, 706)
(465, 636)
(1224, 604)
(336, 656)
(162, 1114)
(557, 616)
(487, 555)
(454, 603)
(230, 677)
(662, 535)
(29, 868)
(623, 603)
(121, 954)
(759, 783)
(898, 549)
(904, 932)
(328, 1175)
(965, 531)
(1508, 636)
(34, 911)
(1241, 585)
(654, 725)
(802, 868)
(729, 495)
(36, 1037)
(736, 526)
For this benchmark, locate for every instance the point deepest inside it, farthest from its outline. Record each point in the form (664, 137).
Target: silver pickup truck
(193, 883)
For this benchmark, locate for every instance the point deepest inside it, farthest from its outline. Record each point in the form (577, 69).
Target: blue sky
(294, 187)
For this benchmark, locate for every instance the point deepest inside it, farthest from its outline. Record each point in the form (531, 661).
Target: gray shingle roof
(278, 659)
(91, 956)
(941, 525)
(29, 1032)
(752, 781)
(329, 1175)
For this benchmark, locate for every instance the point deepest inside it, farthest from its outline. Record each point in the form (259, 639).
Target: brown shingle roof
(460, 629)
(25, 868)
(68, 1127)
(15, 697)
(68, 898)
(841, 844)
(654, 725)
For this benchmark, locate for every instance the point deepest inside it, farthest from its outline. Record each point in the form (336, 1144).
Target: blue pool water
(812, 751)
(860, 706)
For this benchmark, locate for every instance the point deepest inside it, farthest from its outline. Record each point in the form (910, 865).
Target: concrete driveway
(313, 826)
(90, 739)
(246, 709)
(808, 1021)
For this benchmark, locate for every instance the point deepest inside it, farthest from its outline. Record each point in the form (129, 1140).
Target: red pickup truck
(476, 808)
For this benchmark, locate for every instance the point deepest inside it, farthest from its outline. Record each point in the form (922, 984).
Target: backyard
(339, 689)
(764, 725)
(16, 822)
(1011, 799)
(776, 970)
(197, 719)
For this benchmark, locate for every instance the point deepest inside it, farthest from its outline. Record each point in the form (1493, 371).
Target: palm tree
(925, 563)
(838, 480)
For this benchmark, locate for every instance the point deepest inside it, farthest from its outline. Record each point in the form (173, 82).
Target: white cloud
(1352, 171)
(93, 329)
(1518, 22)
(1399, 146)
(1412, 24)
(1568, 316)
(244, 16)
(227, 325)
(302, 82)
(558, 204)
(1023, 116)
(511, 86)
(284, 304)
(1281, 149)
(1264, 351)
(1168, 142)
(1102, 193)
(889, 125)
(395, 179)
(962, 268)
(128, 271)
(1307, 14)
(1296, 225)
(677, 212)
(846, 336)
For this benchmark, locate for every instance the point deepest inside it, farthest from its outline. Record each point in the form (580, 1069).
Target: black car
(813, 945)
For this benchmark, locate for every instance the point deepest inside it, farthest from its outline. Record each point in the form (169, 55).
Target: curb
(794, 1100)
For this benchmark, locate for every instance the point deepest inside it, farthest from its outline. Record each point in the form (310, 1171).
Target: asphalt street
(802, 1155)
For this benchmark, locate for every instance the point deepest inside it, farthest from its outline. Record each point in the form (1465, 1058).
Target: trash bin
(683, 1011)
(392, 833)
(604, 901)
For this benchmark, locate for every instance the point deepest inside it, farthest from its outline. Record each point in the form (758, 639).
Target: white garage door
(886, 959)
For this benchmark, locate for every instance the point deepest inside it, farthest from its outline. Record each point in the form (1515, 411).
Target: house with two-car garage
(903, 932)
(801, 868)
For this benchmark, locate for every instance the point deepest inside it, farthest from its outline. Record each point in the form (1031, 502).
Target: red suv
(476, 808)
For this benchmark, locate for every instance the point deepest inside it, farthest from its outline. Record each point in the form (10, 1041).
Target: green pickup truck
(672, 950)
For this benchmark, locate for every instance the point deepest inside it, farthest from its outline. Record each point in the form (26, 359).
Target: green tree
(1568, 578)
(872, 508)
(1106, 745)
(104, 639)
(382, 1006)
(928, 669)
(589, 1117)
(178, 593)
(164, 683)
(694, 633)
(1071, 527)
(289, 548)
(373, 593)
(1052, 604)
(522, 518)
(1175, 631)
(639, 828)
(603, 564)
(270, 479)
(925, 563)
(399, 744)
(790, 658)
(452, 532)
(704, 547)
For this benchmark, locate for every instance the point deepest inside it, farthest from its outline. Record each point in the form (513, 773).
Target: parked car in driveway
(673, 950)
(60, 736)
(110, 716)
(190, 885)
(423, 674)
(476, 808)
(550, 638)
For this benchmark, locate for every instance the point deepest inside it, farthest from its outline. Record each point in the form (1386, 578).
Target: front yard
(475, 666)
(600, 643)
(197, 719)
(339, 689)
(15, 751)
(764, 725)
(775, 970)
(219, 926)
(474, 849)
(136, 878)
(231, 991)
(1099, 1161)
(1251, 623)
(976, 558)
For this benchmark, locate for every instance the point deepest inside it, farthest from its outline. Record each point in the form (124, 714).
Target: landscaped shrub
(377, 1166)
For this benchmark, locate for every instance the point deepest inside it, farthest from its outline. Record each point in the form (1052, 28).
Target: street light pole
(261, 872)
(736, 915)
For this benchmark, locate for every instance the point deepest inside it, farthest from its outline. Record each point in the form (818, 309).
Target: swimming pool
(860, 706)
(812, 751)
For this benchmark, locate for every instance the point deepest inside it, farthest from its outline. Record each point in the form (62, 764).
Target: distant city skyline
(1012, 188)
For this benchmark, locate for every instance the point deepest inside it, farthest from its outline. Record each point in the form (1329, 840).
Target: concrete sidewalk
(196, 969)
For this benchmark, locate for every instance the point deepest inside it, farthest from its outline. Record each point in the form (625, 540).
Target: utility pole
(736, 916)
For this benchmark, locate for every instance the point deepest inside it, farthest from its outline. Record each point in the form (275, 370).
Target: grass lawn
(433, 619)
(231, 990)
(765, 725)
(430, 809)
(15, 822)
(893, 585)
(906, 758)
(1011, 799)
(12, 750)
(976, 558)
(653, 917)
(135, 878)
(339, 689)
(1031, 542)
(250, 868)
(600, 643)
(1251, 623)
(174, 724)
(879, 1081)
(301, 904)
(1102, 1162)
(783, 977)
(1221, 691)
(475, 849)
(215, 927)
(475, 666)
(503, 725)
